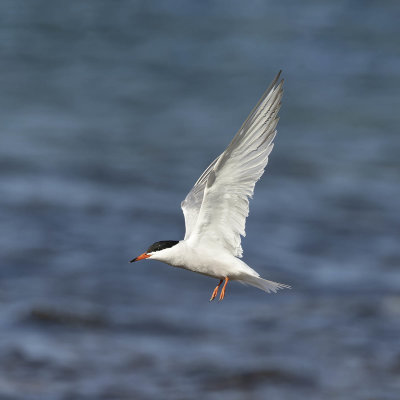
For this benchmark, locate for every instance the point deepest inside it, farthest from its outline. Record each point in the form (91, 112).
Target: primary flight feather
(217, 206)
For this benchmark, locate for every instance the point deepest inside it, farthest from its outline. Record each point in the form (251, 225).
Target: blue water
(109, 112)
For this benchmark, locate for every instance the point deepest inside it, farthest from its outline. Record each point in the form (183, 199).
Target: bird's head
(156, 247)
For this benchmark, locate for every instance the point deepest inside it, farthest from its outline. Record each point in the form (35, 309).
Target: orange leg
(222, 294)
(215, 292)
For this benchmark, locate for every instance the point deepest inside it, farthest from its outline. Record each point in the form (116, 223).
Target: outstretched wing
(216, 208)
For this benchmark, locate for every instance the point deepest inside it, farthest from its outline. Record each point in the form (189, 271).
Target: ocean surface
(109, 112)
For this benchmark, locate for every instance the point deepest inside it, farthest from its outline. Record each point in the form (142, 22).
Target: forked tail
(263, 284)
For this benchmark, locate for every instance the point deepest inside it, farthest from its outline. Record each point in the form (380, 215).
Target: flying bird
(217, 206)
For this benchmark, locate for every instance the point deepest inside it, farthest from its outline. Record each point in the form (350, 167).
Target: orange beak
(141, 257)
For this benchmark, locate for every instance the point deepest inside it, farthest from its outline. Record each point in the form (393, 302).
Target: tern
(217, 206)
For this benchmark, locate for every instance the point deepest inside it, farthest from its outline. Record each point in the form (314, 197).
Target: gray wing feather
(192, 203)
(220, 197)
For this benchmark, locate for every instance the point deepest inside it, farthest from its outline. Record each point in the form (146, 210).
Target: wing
(216, 208)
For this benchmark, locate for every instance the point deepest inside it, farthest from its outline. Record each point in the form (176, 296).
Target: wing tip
(278, 75)
(275, 83)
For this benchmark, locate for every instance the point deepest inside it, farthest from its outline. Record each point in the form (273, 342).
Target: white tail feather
(263, 284)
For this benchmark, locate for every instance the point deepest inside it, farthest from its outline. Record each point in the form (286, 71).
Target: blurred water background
(109, 113)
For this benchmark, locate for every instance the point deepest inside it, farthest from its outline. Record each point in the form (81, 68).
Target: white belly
(213, 262)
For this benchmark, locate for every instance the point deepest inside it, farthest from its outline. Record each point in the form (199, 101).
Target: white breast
(214, 262)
